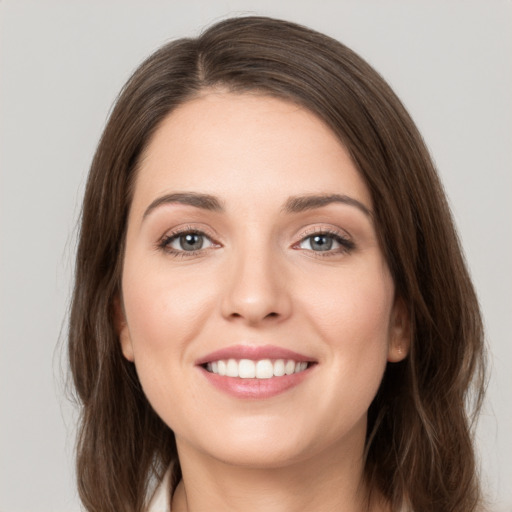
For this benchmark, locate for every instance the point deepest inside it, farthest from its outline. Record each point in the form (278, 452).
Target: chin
(258, 456)
(253, 444)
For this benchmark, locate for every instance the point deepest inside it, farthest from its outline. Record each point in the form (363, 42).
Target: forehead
(242, 146)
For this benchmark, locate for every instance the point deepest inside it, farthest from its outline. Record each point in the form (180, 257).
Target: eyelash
(346, 245)
(165, 243)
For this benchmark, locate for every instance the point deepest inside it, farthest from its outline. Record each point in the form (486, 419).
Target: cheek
(165, 310)
(354, 308)
(352, 315)
(165, 313)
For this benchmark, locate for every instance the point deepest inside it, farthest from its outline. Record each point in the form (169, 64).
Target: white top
(160, 501)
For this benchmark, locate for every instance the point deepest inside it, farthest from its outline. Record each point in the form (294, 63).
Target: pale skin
(258, 276)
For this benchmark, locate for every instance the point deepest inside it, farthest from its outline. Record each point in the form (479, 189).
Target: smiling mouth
(260, 369)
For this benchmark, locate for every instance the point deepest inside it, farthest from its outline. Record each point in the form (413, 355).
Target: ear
(400, 332)
(122, 330)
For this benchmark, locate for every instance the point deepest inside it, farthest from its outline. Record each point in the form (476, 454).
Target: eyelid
(327, 229)
(174, 233)
(190, 228)
(342, 236)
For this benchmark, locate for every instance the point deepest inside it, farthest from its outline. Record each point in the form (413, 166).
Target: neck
(328, 482)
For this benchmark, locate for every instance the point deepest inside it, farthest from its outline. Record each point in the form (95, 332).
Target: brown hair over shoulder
(419, 450)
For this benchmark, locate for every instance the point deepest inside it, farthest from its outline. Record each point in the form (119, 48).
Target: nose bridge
(256, 286)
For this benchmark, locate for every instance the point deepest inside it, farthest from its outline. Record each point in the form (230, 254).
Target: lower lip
(255, 388)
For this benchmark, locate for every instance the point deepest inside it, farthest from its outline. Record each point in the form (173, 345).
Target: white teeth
(299, 367)
(279, 368)
(246, 369)
(289, 367)
(232, 368)
(262, 369)
(221, 367)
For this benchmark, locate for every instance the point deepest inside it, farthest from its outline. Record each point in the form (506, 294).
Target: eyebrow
(203, 201)
(299, 204)
(294, 204)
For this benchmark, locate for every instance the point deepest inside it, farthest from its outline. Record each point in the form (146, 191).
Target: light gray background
(63, 63)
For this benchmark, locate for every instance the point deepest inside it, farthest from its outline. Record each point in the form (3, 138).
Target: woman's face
(257, 305)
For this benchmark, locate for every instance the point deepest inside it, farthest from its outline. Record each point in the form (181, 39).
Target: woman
(271, 309)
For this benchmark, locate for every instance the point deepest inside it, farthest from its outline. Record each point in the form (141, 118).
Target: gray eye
(320, 242)
(189, 242)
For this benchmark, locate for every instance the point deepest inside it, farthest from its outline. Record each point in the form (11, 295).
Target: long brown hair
(419, 448)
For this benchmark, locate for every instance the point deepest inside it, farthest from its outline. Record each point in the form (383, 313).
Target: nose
(256, 290)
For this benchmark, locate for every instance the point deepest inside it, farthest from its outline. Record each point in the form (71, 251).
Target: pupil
(321, 242)
(191, 242)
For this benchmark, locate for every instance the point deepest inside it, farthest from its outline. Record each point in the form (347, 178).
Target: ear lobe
(400, 332)
(122, 330)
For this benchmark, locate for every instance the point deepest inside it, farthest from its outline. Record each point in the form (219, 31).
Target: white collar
(160, 502)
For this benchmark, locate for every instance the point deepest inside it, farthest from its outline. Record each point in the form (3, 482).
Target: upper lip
(254, 352)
